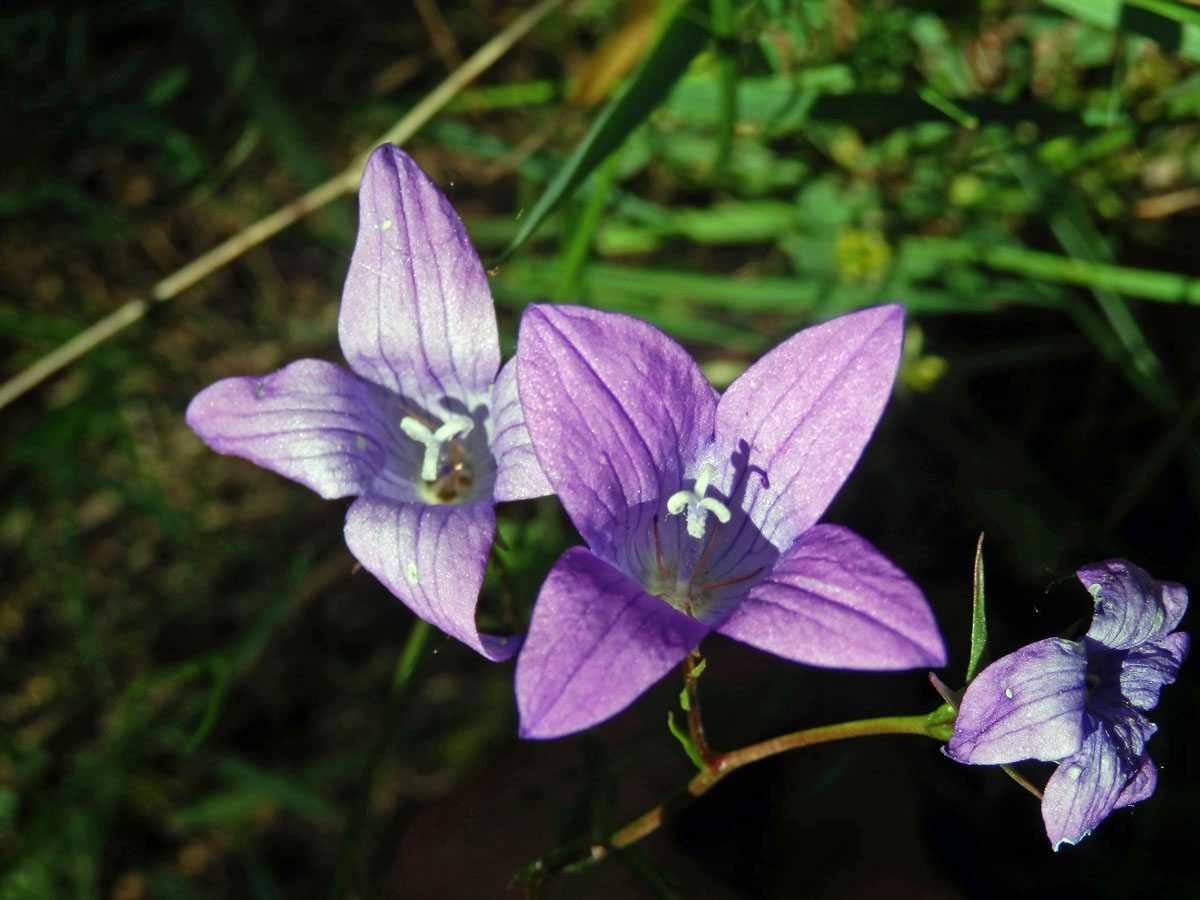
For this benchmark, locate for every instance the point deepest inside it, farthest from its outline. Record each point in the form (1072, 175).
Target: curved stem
(722, 764)
(728, 762)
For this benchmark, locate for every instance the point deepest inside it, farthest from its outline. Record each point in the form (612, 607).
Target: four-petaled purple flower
(1081, 703)
(425, 433)
(700, 514)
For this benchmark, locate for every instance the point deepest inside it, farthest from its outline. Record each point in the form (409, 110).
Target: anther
(433, 440)
(697, 504)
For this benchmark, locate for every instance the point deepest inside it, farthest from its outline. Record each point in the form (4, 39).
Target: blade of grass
(220, 28)
(224, 253)
(574, 249)
(1074, 229)
(1174, 26)
(1153, 464)
(978, 615)
(1148, 284)
(727, 84)
(682, 39)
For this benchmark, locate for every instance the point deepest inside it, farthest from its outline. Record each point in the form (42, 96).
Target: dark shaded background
(193, 679)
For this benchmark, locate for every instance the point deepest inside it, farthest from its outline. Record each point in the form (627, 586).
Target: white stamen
(433, 440)
(697, 504)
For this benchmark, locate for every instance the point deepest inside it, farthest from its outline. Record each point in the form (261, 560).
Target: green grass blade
(1148, 284)
(681, 40)
(1172, 25)
(978, 615)
(573, 252)
(727, 78)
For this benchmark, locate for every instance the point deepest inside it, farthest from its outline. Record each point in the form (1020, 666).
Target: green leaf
(1174, 26)
(978, 617)
(681, 40)
(686, 741)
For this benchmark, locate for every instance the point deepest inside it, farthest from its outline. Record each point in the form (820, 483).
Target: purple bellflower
(700, 513)
(423, 431)
(1081, 703)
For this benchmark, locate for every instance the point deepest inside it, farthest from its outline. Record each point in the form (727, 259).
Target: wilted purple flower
(700, 513)
(424, 432)
(1080, 703)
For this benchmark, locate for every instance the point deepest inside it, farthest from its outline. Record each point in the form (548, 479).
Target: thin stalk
(344, 182)
(723, 764)
(1021, 780)
(692, 666)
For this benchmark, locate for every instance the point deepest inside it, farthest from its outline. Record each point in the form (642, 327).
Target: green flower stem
(1021, 780)
(692, 666)
(721, 765)
(729, 762)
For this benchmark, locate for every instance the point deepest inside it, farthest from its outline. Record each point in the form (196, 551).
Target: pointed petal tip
(1087, 787)
(807, 410)
(537, 730)
(499, 648)
(1067, 841)
(417, 316)
(596, 642)
(887, 318)
(390, 162)
(431, 558)
(891, 314)
(833, 600)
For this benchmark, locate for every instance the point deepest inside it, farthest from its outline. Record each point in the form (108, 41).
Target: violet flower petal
(807, 410)
(616, 411)
(432, 558)
(1085, 788)
(595, 643)
(518, 475)
(417, 315)
(1131, 607)
(1026, 705)
(311, 421)
(833, 600)
(1144, 670)
(1141, 786)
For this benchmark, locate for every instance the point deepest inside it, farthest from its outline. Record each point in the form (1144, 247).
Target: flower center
(692, 589)
(697, 505)
(446, 469)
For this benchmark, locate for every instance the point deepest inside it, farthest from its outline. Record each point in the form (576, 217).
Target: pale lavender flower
(700, 514)
(424, 432)
(1081, 703)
